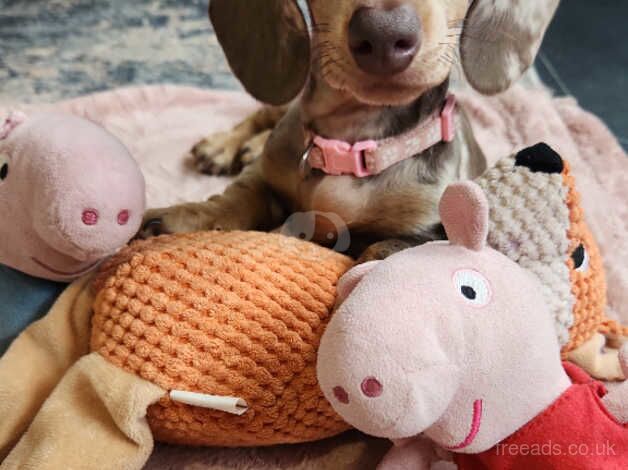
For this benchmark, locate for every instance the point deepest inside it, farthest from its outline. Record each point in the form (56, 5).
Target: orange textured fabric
(587, 285)
(235, 314)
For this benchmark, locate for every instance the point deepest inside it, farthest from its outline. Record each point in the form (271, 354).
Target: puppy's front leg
(247, 204)
(228, 152)
(382, 250)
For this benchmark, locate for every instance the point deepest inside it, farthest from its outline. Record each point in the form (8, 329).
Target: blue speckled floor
(52, 49)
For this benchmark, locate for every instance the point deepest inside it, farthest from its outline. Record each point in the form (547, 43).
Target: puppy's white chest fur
(340, 195)
(394, 203)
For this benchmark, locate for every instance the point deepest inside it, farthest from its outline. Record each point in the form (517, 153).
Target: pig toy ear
(464, 213)
(351, 279)
(14, 119)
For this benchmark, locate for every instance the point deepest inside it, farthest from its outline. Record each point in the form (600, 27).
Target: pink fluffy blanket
(160, 124)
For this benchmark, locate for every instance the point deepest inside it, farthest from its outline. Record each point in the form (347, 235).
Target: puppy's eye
(4, 167)
(580, 258)
(472, 287)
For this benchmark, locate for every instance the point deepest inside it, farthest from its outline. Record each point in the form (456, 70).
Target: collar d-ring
(304, 165)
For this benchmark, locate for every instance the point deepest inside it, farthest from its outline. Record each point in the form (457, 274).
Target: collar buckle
(369, 157)
(336, 157)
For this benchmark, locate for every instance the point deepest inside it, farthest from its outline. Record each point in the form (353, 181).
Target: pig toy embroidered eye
(473, 287)
(580, 258)
(4, 168)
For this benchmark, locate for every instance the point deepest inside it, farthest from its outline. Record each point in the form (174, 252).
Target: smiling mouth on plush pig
(63, 273)
(475, 426)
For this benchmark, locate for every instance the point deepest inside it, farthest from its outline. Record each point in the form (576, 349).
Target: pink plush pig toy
(70, 195)
(448, 349)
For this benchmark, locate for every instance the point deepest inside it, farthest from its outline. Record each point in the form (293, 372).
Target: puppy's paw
(161, 222)
(382, 250)
(623, 359)
(228, 153)
(253, 148)
(217, 154)
(178, 219)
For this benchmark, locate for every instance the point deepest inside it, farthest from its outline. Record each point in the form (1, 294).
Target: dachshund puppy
(374, 136)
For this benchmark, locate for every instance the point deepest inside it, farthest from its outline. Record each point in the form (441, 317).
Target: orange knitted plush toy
(592, 330)
(236, 314)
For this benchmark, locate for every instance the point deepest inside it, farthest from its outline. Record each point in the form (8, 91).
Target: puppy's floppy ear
(267, 44)
(500, 40)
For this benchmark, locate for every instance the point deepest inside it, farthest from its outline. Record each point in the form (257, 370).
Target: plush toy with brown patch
(537, 221)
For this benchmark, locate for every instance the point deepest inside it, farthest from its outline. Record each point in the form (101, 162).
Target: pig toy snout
(73, 193)
(89, 200)
(379, 388)
(91, 217)
(370, 387)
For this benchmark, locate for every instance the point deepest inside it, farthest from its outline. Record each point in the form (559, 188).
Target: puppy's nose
(384, 42)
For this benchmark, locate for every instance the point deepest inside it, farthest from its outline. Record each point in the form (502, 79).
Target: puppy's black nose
(384, 42)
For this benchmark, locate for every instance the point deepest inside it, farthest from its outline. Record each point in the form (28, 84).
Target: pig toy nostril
(90, 217)
(123, 217)
(341, 395)
(371, 387)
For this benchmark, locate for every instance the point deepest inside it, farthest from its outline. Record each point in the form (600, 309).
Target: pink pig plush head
(70, 195)
(451, 339)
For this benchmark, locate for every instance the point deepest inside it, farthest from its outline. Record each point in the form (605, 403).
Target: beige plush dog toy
(537, 221)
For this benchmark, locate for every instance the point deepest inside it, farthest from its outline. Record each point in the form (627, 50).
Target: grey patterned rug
(57, 49)
(54, 49)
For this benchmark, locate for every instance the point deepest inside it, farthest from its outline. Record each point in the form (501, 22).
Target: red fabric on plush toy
(576, 430)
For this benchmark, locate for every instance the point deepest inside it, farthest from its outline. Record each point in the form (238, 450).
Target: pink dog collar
(370, 157)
